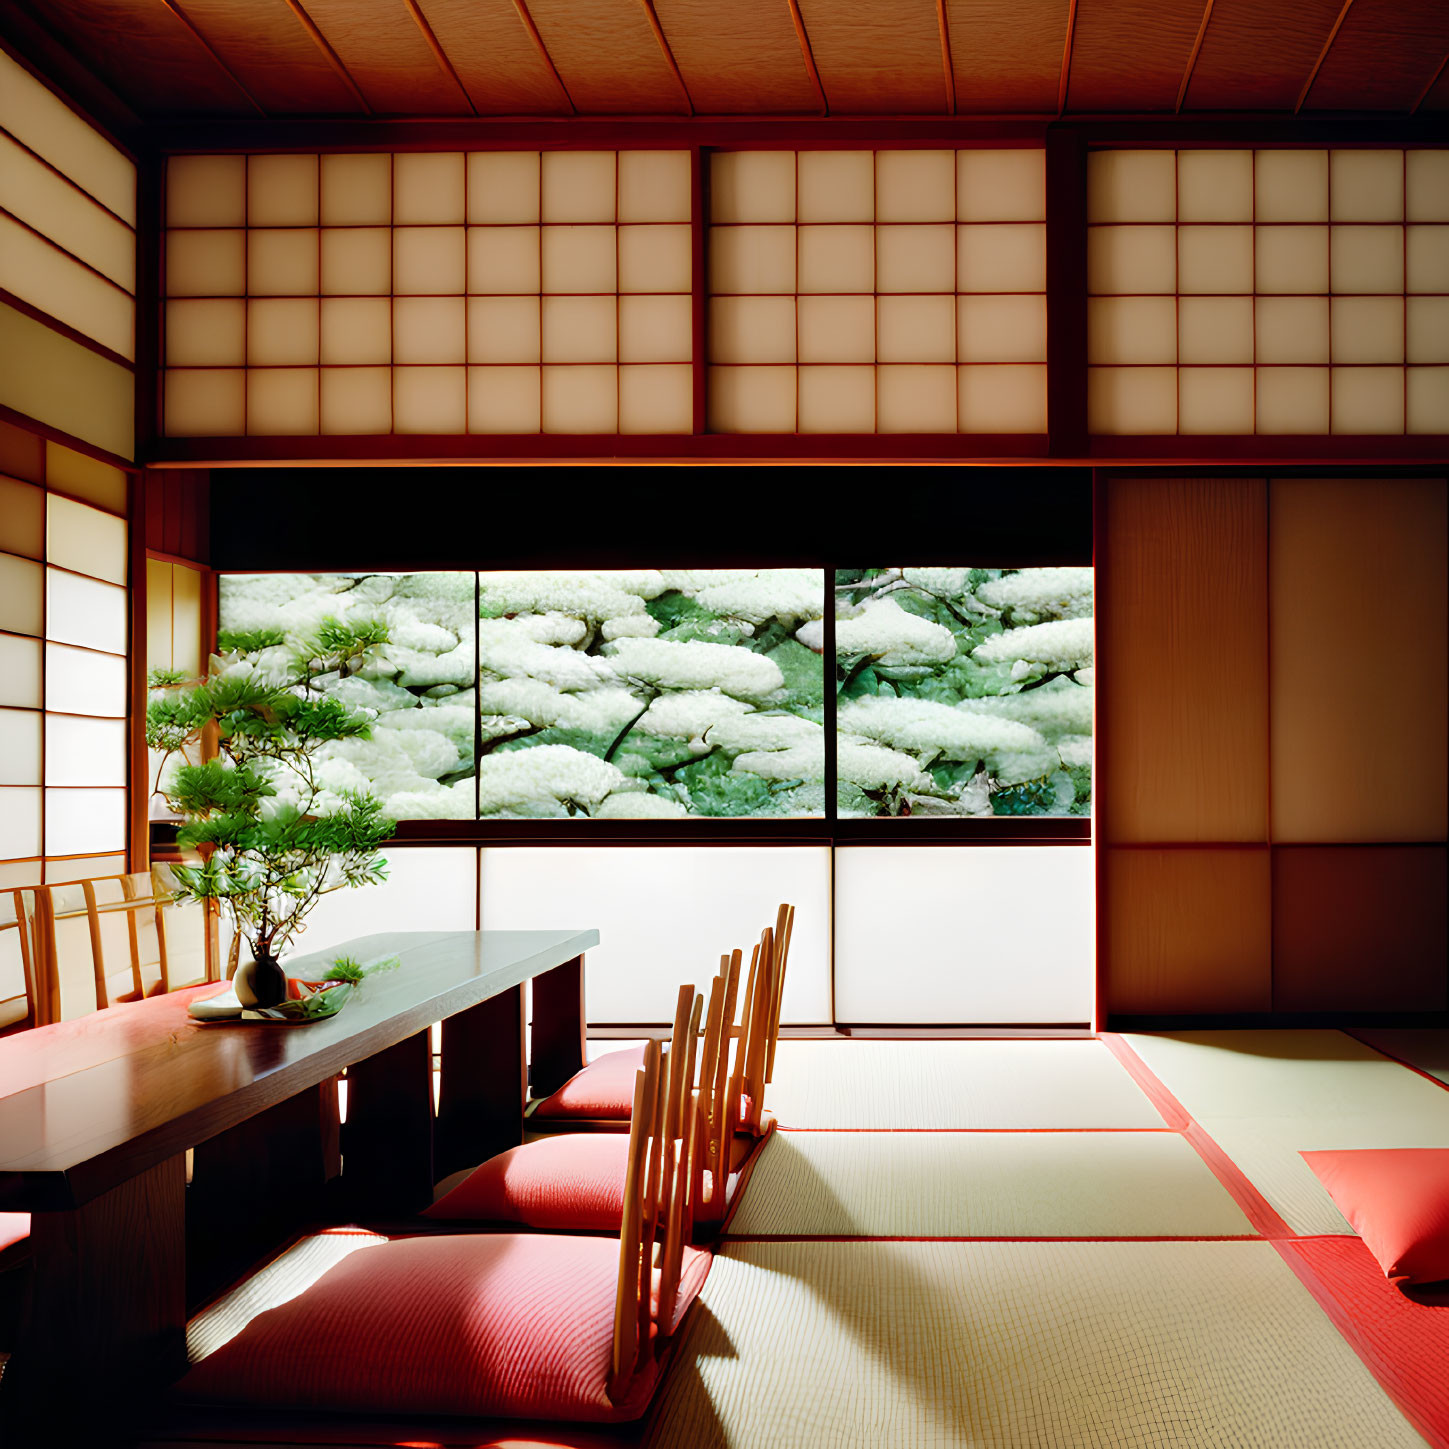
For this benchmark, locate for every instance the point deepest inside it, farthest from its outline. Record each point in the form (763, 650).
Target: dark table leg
(387, 1140)
(559, 1026)
(485, 1082)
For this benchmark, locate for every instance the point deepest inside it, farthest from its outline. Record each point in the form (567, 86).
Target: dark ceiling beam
(210, 49)
(1067, 57)
(1207, 15)
(328, 54)
(542, 49)
(668, 54)
(439, 54)
(798, 21)
(1433, 81)
(946, 57)
(1322, 56)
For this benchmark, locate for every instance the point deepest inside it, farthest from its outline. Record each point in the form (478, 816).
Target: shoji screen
(174, 640)
(886, 291)
(428, 293)
(63, 676)
(1279, 291)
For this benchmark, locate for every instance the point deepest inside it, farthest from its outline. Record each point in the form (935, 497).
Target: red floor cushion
(516, 1325)
(1397, 1199)
(603, 1090)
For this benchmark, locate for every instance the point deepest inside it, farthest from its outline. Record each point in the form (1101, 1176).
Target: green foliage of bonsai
(271, 838)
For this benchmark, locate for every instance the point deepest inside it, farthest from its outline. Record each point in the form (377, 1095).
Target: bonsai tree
(270, 834)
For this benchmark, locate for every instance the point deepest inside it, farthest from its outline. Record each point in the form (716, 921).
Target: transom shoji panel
(1276, 291)
(877, 291)
(424, 292)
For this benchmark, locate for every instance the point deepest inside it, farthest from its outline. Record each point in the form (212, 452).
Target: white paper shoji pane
(282, 190)
(1003, 399)
(1427, 399)
(915, 186)
(1367, 259)
(429, 399)
(22, 518)
(19, 823)
(356, 189)
(1428, 329)
(1001, 329)
(428, 259)
(20, 746)
(88, 479)
(1131, 186)
(1130, 259)
(1289, 259)
(580, 400)
(503, 259)
(837, 258)
(1215, 329)
(579, 186)
(503, 329)
(752, 259)
(356, 330)
(752, 329)
(85, 611)
(580, 329)
(356, 400)
(655, 329)
(1214, 186)
(1003, 185)
(84, 822)
(1290, 185)
(915, 399)
(1132, 330)
(206, 191)
(1293, 400)
(205, 402)
(427, 187)
(78, 681)
(282, 331)
(20, 672)
(1427, 176)
(1125, 400)
(580, 259)
(503, 187)
(428, 329)
(206, 264)
(752, 399)
(654, 186)
(22, 601)
(915, 329)
(836, 329)
(206, 332)
(752, 186)
(1215, 259)
(1367, 329)
(837, 400)
(283, 263)
(707, 900)
(1368, 399)
(282, 401)
(504, 399)
(995, 972)
(1215, 400)
(836, 186)
(356, 261)
(85, 540)
(1366, 185)
(654, 259)
(1292, 329)
(1427, 258)
(915, 259)
(656, 399)
(84, 751)
(22, 874)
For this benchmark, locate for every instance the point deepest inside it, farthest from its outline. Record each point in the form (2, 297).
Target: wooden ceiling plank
(523, 14)
(181, 15)
(877, 59)
(1067, 57)
(1254, 56)
(1207, 15)
(1385, 55)
(808, 53)
(444, 64)
(1322, 56)
(950, 73)
(668, 54)
(609, 56)
(328, 54)
(1433, 81)
(1128, 56)
(1006, 55)
(496, 61)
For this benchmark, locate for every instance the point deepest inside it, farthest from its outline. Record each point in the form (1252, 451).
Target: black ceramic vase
(261, 982)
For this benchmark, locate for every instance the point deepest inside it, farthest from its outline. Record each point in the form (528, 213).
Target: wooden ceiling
(218, 59)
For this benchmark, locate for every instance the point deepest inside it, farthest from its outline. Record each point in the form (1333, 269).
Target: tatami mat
(985, 1184)
(950, 1084)
(928, 1345)
(1265, 1096)
(1422, 1047)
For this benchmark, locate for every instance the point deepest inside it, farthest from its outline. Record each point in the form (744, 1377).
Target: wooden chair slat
(784, 927)
(631, 1230)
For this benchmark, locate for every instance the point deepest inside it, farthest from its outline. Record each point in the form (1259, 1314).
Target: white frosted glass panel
(206, 332)
(85, 611)
(19, 823)
(503, 329)
(1133, 259)
(916, 259)
(1131, 186)
(580, 329)
(837, 258)
(965, 957)
(504, 399)
(19, 671)
(1215, 329)
(1291, 258)
(1215, 186)
(88, 479)
(916, 329)
(656, 399)
(1002, 399)
(1001, 259)
(1132, 329)
(85, 539)
(752, 259)
(1428, 399)
(1215, 259)
(430, 399)
(206, 191)
(78, 681)
(427, 186)
(206, 263)
(1131, 400)
(428, 329)
(752, 399)
(655, 329)
(654, 186)
(22, 604)
(84, 751)
(84, 822)
(427, 259)
(1428, 329)
(1428, 184)
(1215, 400)
(752, 186)
(580, 259)
(355, 329)
(204, 402)
(915, 399)
(282, 191)
(356, 400)
(503, 259)
(1366, 185)
(580, 400)
(427, 889)
(22, 518)
(579, 186)
(1001, 329)
(1368, 399)
(1427, 258)
(282, 401)
(1293, 400)
(356, 261)
(752, 329)
(282, 330)
(654, 258)
(1367, 259)
(1291, 185)
(915, 185)
(356, 190)
(1368, 329)
(1004, 185)
(836, 186)
(282, 263)
(503, 186)
(665, 915)
(837, 400)
(836, 329)
(1292, 329)
(20, 746)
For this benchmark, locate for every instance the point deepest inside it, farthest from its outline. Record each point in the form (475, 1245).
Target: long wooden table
(97, 1115)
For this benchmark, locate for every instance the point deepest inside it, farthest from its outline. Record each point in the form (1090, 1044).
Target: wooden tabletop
(90, 1103)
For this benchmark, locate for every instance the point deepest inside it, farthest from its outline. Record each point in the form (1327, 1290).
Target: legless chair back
(715, 1124)
(753, 1049)
(784, 927)
(19, 1003)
